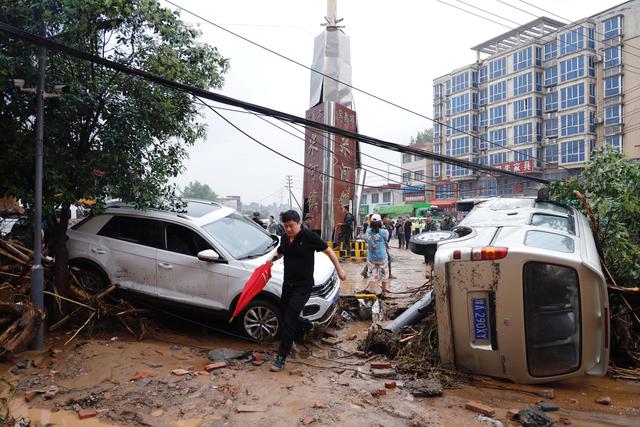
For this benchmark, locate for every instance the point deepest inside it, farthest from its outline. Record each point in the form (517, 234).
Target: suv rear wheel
(91, 280)
(261, 320)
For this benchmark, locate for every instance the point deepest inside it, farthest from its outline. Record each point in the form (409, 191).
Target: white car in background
(200, 258)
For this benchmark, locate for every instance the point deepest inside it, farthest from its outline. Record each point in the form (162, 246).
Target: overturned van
(520, 293)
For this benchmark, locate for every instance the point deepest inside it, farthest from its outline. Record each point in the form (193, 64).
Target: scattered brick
(308, 420)
(480, 408)
(257, 362)
(140, 375)
(390, 385)
(380, 365)
(86, 413)
(606, 400)
(215, 365)
(564, 421)
(30, 395)
(180, 372)
(257, 356)
(318, 405)
(512, 414)
(383, 373)
(547, 393)
(251, 408)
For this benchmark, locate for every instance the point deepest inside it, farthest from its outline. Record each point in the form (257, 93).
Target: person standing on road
(386, 222)
(256, 218)
(272, 228)
(346, 229)
(308, 219)
(407, 231)
(377, 254)
(400, 233)
(448, 223)
(298, 247)
(429, 224)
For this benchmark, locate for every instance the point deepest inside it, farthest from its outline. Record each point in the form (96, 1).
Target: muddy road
(171, 380)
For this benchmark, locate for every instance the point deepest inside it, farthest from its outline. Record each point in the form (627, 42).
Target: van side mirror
(209, 255)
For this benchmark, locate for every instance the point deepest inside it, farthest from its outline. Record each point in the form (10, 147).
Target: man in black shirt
(346, 229)
(298, 246)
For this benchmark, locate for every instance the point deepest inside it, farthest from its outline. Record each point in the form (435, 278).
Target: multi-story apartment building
(417, 178)
(538, 100)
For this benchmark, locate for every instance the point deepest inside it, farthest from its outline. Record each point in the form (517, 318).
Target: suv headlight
(552, 318)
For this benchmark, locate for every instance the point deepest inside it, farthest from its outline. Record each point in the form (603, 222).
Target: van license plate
(480, 319)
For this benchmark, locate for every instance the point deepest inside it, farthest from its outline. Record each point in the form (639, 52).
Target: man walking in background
(346, 229)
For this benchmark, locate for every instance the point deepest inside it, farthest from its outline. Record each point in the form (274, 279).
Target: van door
(182, 277)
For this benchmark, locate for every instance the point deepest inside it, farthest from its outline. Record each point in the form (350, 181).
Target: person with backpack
(377, 255)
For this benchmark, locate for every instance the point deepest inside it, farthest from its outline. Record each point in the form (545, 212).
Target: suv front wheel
(261, 320)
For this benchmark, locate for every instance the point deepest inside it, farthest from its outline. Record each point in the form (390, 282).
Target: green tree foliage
(112, 135)
(612, 187)
(426, 136)
(197, 190)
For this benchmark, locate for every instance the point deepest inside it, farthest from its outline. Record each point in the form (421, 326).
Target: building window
(572, 151)
(364, 199)
(406, 178)
(612, 27)
(550, 50)
(615, 142)
(498, 138)
(523, 134)
(538, 56)
(572, 95)
(406, 158)
(458, 146)
(437, 111)
(437, 91)
(497, 68)
(612, 86)
(497, 91)
(437, 169)
(375, 198)
(522, 59)
(497, 115)
(524, 154)
(592, 38)
(571, 41)
(551, 153)
(459, 82)
(551, 101)
(592, 93)
(460, 103)
(437, 148)
(460, 124)
(522, 84)
(483, 74)
(551, 75)
(418, 175)
(551, 127)
(613, 115)
(571, 124)
(455, 170)
(498, 158)
(538, 80)
(386, 197)
(571, 68)
(444, 191)
(483, 118)
(483, 97)
(522, 108)
(611, 57)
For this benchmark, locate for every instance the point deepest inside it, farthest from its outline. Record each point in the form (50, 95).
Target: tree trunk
(61, 253)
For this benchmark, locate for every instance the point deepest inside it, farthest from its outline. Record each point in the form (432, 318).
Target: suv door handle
(99, 251)
(165, 265)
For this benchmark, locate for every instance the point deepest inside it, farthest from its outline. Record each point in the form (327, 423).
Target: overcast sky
(397, 49)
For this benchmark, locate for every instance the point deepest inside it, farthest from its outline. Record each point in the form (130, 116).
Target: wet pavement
(328, 386)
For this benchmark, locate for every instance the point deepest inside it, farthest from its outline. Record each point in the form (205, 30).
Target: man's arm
(336, 263)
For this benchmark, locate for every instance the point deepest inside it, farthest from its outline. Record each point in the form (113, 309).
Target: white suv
(201, 258)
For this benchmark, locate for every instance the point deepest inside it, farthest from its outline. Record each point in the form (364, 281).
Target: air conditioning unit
(599, 120)
(545, 142)
(597, 58)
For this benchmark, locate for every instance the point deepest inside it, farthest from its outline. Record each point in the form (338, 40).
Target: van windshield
(240, 236)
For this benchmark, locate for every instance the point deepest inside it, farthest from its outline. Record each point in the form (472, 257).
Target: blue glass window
(437, 91)
(523, 134)
(497, 68)
(571, 124)
(538, 80)
(498, 158)
(483, 97)
(498, 138)
(572, 95)
(592, 65)
(551, 101)
(436, 130)
(522, 84)
(522, 108)
(538, 56)
(538, 106)
(571, 41)
(615, 141)
(460, 103)
(459, 82)
(458, 146)
(437, 111)
(572, 68)
(551, 75)
(497, 91)
(483, 118)
(497, 115)
(613, 115)
(572, 151)
(522, 59)
(612, 86)
(460, 124)
(551, 127)
(550, 50)
(483, 74)
(524, 154)
(444, 191)
(551, 153)
(612, 57)
(484, 142)
(455, 170)
(592, 38)
(592, 93)
(437, 169)
(612, 27)
(474, 78)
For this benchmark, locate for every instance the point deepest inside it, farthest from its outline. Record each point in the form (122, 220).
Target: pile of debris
(19, 319)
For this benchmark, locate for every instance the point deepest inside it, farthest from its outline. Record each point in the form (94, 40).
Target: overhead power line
(52, 45)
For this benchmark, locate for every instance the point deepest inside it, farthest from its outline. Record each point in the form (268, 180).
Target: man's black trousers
(294, 298)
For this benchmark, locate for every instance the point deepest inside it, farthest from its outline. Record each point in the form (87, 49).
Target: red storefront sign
(522, 166)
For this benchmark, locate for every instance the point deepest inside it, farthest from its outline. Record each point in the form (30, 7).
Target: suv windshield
(240, 236)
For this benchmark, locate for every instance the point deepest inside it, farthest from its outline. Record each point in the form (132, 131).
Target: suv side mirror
(209, 255)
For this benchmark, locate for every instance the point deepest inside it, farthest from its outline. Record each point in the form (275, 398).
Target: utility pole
(289, 183)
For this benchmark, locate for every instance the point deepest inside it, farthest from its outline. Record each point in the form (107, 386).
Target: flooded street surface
(325, 385)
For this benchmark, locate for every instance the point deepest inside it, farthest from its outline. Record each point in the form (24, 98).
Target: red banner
(522, 166)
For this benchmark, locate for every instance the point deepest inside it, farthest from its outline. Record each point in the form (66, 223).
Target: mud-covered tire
(260, 320)
(91, 279)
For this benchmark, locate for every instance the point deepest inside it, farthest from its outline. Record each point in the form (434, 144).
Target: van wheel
(91, 280)
(261, 320)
